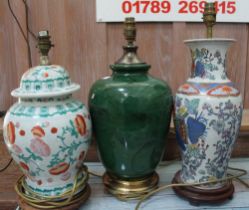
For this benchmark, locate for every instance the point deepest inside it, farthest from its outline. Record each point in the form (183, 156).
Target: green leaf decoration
(192, 106)
(66, 152)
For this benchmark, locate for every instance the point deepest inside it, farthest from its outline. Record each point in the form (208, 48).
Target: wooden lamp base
(83, 197)
(197, 196)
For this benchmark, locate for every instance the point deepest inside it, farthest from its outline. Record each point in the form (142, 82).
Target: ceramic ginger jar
(47, 132)
(208, 114)
(131, 113)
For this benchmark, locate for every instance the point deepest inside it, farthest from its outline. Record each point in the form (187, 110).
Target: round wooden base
(197, 196)
(83, 197)
(130, 189)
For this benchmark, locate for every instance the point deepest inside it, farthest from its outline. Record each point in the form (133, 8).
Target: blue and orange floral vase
(208, 112)
(47, 132)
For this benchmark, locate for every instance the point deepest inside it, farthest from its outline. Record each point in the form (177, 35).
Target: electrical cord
(95, 174)
(26, 37)
(7, 165)
(78, 194)
(149, 194)
(34, 199)
(17, 21)
(30, 199)
(2, 113)
(228, 178)
(27, 20)
(240, 181)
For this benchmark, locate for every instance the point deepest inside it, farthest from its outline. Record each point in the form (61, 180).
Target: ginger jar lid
(45, 80)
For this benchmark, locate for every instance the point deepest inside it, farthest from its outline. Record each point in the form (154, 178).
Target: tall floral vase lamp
(208, 112)
(131, 113)
(47, 133)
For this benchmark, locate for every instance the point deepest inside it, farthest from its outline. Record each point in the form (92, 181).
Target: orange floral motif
(223, 90)
(227, 89)
(38, 131)
(11, 132)
(80, 124)
(186, 87)
(59, 169)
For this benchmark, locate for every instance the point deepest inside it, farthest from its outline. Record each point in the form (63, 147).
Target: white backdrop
(169, 10)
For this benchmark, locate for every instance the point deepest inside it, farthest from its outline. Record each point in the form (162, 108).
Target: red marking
(59, 169)
(186, 87)
(46, 74)
(22, 133)
(38, 131)
(226, 89)
(54, 130)
(11, 132)
(80, 124)
(39, 182)
(24, 166)
(186, 90)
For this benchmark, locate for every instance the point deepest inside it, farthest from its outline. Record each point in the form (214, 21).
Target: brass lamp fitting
(130, 50)
(44, 45)
(209, 18)
(130, 30)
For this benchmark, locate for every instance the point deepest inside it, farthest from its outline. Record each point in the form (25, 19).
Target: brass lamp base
(197, 196)
(80, 199)
(130, 189)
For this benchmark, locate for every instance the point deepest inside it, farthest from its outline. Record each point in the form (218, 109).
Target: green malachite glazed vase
(131, 113)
